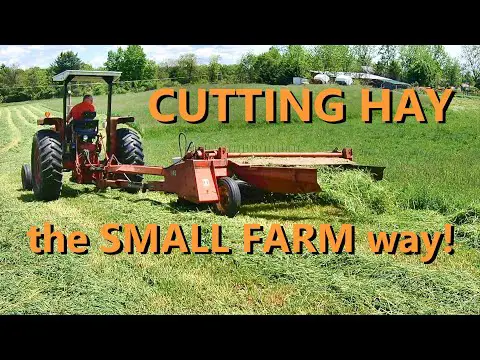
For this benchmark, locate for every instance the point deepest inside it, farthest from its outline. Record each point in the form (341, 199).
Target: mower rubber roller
(46, 165)
(130, 152)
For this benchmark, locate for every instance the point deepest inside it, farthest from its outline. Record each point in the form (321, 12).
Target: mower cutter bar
(287, 154)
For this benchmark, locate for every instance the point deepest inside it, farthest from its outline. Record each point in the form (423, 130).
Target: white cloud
(36, 47)
(79, 48)
(26, 56)
(163, 52)
(229, 54)
(454, 50)
(12, 51)
(206, 52)
(98, 61)
(43, 61)
(13, 61)
(43, 55)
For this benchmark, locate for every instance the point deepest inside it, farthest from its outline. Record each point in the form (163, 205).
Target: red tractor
(53, 152)
(197, 176)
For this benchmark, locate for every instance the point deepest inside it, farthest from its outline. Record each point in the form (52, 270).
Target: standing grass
(429, 162)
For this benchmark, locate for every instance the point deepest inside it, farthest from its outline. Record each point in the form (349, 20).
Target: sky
(26, 56)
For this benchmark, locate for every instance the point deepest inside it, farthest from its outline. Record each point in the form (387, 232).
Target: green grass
(432, 178)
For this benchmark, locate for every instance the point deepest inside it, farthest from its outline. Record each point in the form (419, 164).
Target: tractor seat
(89, 115)
(86, 126)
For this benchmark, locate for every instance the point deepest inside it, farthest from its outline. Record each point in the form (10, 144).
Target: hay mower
(198, 176)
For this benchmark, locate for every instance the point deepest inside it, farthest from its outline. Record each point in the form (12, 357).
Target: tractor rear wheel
(47, 165)
(26, 177)
(130, 152)
(230, 197)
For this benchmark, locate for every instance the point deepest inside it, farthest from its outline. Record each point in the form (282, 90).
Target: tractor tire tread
(130, 151)
(51, 166)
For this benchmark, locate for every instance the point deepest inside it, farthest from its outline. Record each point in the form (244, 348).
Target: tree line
(423, 65)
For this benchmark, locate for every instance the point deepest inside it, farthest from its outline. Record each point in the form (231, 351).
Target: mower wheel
(230, 197)
(26, 177)
(130, 152)
(47, 165)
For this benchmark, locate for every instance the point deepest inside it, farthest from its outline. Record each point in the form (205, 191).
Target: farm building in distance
(344, 80)
(299, 80)
(389, 84)
(371, 79)
(321, 79)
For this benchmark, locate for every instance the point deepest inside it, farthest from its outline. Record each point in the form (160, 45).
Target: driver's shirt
(79, 109)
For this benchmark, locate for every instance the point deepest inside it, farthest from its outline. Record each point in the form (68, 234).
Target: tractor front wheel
(230, 197)
(130, 152)
(47, 165)
(26, 177)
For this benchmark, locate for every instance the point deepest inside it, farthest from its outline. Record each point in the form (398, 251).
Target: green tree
(10, 76)
(36, 81)
(344, 57)
(150, 71)
(394, 70)
(114, 60)
(439, 55)
(270, 67)
(133, 63)
(471, 62)
(333, 58)
(294, 62)
(67, 60)
(229, 73)
(187, 68)
(246, 68)
(363, 54)
(453, 72)
(419, 65)
(326, 59)
(315, 59)
(86, 66)
(12, 84)
(385, 64)
(214, 68)
(171, 68)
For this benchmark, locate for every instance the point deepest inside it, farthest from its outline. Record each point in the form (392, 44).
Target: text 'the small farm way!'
(321, 239)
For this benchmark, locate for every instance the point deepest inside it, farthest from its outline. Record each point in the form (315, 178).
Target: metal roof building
(376, 80)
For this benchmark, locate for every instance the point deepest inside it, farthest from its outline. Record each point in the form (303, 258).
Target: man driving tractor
(77, 113)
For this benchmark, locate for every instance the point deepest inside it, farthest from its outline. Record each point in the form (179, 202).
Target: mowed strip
(15, 134)
(111, 275)
(65, 216)
(30, 114)
(41, 111)
(19, 115)
(141, 284)
(43, 284)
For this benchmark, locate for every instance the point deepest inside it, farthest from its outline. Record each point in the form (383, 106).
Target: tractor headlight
(85, 138)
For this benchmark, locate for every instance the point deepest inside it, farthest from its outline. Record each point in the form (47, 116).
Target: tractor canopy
(87, 75)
